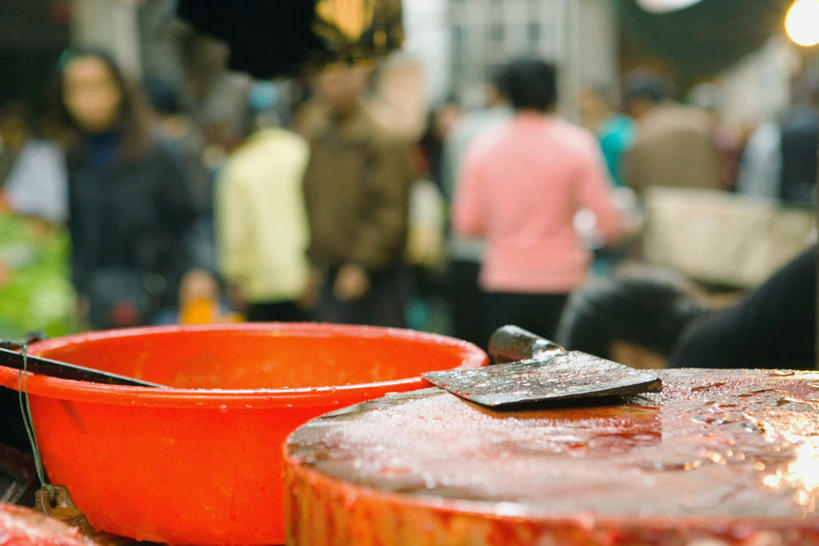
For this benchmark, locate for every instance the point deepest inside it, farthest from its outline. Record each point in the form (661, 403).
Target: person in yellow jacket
(262, 228)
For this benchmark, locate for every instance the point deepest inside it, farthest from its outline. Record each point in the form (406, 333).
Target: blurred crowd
(331, 205)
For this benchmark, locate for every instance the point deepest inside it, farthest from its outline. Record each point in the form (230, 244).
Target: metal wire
(28, 422)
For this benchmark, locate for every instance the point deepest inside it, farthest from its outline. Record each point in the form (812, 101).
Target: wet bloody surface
(728, 455)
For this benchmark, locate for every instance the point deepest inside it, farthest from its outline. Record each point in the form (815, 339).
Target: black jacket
(133, 222)
(773, 327)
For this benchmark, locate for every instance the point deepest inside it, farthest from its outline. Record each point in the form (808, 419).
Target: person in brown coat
(356, 190)
(674, 144)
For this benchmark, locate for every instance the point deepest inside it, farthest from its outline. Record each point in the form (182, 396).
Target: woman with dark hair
(133, 207)
(520, 186)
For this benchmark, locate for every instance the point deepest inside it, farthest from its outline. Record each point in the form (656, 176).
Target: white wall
(758, 88)
(111, 25)
(428, 39)
(590, 51)
(580, 35)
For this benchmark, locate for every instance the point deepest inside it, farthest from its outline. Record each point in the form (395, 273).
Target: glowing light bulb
(802, 22)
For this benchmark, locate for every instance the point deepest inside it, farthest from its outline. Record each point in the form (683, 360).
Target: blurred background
(715, 197)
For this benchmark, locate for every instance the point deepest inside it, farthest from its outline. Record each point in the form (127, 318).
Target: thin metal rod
(63, 370)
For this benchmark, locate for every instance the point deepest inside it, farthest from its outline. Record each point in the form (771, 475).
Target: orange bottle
(199, 311)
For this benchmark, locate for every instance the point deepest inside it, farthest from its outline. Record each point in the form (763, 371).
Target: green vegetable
(37, 294)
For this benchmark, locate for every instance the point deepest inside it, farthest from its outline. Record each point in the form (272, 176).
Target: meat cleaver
(529, 369)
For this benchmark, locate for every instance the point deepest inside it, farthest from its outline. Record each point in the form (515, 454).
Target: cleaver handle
(512, 343)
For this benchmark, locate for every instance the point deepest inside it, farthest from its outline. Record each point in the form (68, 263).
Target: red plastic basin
(201, 462)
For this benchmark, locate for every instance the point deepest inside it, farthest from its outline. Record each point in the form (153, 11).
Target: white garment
(463, 133)
(38, 183)
(761, 167)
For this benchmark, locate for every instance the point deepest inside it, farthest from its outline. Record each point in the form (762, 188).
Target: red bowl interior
(262, 364)
(200, 462)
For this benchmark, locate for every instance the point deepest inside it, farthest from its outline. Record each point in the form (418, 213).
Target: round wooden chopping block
(719, 457)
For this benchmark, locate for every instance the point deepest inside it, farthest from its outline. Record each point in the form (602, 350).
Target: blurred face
(341, 87)
(91, 94)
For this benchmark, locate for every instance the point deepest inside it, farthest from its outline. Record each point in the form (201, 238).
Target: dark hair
(133, 113)
(529, 84)
(498, 80)
(643, 85)
(647, 310)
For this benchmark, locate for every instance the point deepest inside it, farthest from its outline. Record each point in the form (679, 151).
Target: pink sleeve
(595, 195)
(466, 207)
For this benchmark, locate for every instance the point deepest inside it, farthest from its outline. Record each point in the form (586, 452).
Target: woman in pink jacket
(521, 184)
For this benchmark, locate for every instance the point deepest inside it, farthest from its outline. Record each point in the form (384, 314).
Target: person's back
(533, 175)
(262, 223)
(472, 124)
(673, 147)
(465, 253)
(520, 187)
